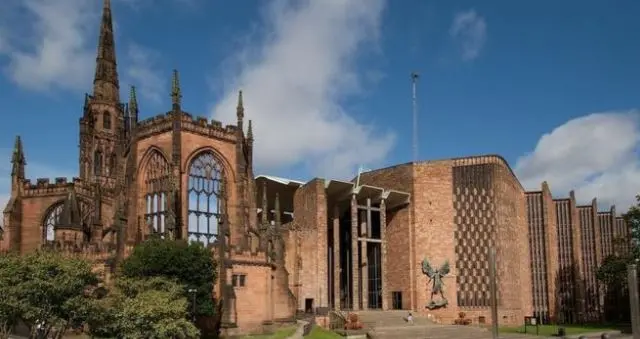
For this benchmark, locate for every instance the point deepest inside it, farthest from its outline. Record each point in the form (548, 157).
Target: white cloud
(469, 31)
(295, 84)
(52, 45)
(46, 44)
(596, 155)
(143, 72)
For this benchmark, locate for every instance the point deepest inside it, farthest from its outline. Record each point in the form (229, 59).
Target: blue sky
(550, 85)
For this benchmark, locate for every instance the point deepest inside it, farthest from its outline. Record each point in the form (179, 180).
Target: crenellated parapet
(59, 186)
(199, 125)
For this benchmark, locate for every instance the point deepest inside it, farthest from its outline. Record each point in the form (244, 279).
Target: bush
(189, 264)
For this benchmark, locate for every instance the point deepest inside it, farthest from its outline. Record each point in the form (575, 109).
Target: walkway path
(299, 330)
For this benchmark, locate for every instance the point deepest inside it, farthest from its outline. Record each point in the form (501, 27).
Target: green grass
(549, 330)
(282, 333)
(320, 333)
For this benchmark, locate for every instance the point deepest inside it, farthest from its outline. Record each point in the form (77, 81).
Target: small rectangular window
(238, 280)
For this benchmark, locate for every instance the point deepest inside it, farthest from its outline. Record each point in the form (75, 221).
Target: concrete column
(355, 264)
(364, 264)
(383, 237)
(336, 258)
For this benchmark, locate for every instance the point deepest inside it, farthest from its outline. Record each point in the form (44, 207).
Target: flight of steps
(392, 325)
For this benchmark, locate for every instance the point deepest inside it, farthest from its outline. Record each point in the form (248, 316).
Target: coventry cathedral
(285, 246)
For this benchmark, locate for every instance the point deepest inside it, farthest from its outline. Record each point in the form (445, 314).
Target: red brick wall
(253, 303)
(399, 241)
(552, 250)
(310, 206)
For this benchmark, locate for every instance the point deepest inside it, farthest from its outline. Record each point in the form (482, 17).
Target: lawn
(282, 333)
(549, 330)
(320, 333)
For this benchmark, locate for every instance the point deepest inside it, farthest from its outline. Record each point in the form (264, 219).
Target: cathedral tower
(102, 124)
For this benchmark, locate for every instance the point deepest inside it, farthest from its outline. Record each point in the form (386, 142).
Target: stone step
(431, 332)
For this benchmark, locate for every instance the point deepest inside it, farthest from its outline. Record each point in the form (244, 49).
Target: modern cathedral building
(284, 246)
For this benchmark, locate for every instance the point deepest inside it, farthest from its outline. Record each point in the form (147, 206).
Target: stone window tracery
(204, 194)
(52, 219)
(97, 162)
(106, 120)
(156, 177)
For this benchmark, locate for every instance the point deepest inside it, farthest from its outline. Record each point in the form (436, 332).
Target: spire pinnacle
(265, 206)
(240, 107)
(105, 83)
(277, 210)
(250, 131)
(17, 159)
(133, 101)
(176, 94)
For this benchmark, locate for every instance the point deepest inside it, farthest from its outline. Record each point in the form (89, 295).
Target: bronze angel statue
(435, 278)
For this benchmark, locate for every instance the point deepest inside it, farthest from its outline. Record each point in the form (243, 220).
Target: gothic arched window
(106, 120)
(156, 176)
(205, 179)
(97, 163)
(52, 218)
(50, 222)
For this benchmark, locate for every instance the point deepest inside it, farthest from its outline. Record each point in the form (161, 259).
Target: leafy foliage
(45, 287)
(613, 270)
(150, 308)
(11, 306)
(190, 264)
(632, 217)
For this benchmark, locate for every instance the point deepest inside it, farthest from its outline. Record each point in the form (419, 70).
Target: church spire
(176, 94)
(17, 160)
(105, 84)
(133, 104)
(250, 132)
(240, 107)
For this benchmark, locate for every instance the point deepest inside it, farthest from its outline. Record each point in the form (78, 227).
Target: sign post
(531, 321)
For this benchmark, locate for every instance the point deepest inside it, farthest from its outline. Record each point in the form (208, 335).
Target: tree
(190, 264)
(613, 270)
(46, 287)
(151, 308)
(632, 218)
(10, 304)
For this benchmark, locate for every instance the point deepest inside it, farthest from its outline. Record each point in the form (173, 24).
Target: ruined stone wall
(254, 304)
(310, 206)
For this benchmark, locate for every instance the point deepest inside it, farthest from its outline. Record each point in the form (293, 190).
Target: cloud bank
(295, 84)
(597, 155)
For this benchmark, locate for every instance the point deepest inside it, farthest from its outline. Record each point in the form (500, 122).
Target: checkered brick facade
(475, 234)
